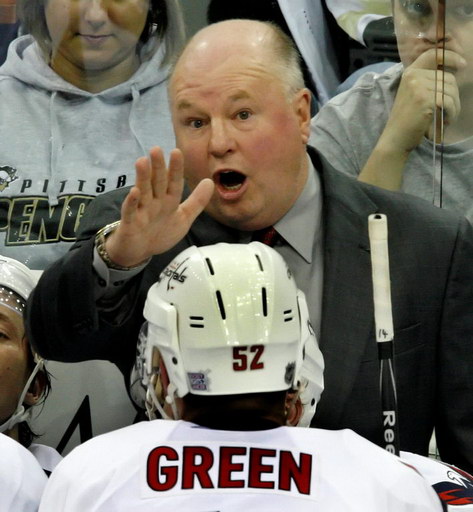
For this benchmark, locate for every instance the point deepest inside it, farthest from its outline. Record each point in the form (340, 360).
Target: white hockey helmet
(16, 283)
(229, 319)
(17, 278)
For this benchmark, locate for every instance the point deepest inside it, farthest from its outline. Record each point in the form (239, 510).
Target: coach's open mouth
(231, 180)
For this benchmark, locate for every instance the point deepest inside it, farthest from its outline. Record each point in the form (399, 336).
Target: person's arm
(152, 218)
(64, 318)
(411, 117)
(334, 133)
(152, 206)
(453, 485)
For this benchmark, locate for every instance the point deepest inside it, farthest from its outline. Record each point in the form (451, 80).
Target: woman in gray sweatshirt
(81, 97)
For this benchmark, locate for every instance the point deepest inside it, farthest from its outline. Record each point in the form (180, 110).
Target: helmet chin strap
(152, 403)
(21, 413)
(171, 400)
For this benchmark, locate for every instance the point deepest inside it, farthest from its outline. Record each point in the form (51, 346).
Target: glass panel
(436, 38)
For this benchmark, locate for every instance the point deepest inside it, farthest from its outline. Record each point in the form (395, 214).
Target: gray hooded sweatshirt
(61, 146)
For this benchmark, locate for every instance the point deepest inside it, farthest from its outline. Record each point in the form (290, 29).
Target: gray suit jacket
(431, 260)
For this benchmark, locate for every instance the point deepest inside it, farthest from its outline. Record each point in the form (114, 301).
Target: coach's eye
(196, 123)
(244, 115)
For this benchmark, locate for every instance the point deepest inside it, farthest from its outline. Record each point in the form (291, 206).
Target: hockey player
(23, 380)
(21, 478)
(228, 350)
(453, 485)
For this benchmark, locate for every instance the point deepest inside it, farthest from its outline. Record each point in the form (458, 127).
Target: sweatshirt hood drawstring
(56, 146)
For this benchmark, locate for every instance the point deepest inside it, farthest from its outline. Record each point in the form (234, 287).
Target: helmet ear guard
(162, 338)
(228, 319)
(163, 335)
(146, 383)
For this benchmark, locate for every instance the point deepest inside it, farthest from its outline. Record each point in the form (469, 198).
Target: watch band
(100, 239)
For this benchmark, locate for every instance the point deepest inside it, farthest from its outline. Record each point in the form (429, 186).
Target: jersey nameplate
(177, 468)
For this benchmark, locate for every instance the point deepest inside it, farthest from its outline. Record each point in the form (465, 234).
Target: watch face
(106, 230)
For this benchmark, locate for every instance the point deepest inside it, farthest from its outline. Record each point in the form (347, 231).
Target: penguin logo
(7, 175)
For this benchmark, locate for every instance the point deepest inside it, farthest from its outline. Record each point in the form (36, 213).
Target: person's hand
(419, 95)
(417, 99)
(153, 219)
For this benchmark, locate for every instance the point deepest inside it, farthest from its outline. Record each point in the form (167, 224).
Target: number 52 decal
(241, 356)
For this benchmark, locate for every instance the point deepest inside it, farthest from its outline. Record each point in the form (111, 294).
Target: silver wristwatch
(100, 239)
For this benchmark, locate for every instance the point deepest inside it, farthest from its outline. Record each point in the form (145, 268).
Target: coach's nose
(221, 140)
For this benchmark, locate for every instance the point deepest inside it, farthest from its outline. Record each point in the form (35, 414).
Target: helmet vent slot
(260, 264)
(288, 316)
(265, 302)
(197, 322)
(209, 264)
(220, 305)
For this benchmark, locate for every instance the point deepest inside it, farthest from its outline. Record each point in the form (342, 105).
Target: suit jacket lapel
(347, 306)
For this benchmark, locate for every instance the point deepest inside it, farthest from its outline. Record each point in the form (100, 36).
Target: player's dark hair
(250, 411)
(25, 435)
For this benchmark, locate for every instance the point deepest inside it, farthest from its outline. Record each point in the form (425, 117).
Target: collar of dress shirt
(306, 211)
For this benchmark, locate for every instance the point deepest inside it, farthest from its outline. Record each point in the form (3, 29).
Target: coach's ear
(293, 408)
(301, 105)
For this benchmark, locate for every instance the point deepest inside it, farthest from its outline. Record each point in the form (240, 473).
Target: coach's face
(236, 123)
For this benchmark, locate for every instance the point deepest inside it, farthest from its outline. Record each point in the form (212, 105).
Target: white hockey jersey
(47, 457)
(22, 480)
(453, 485)
(175, 465)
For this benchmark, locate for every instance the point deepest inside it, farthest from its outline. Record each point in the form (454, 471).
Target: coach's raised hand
(153, 219)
